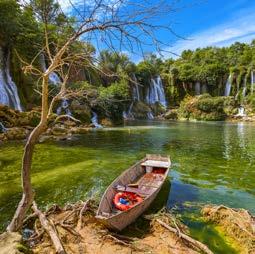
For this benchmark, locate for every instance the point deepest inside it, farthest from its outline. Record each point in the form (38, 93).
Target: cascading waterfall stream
(150, 115)
(136, 93)
(64, 107)
(8, 89)
(124, 115)
(135, 97)
(244, 88)
(129, 115)
(155, 92)
(241, 112)
(252, 80)
(53, 77)
(94, 120)
(2, 128)
(228, 86)
(197, 88)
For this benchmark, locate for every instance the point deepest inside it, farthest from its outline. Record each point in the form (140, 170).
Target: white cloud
(241, 29)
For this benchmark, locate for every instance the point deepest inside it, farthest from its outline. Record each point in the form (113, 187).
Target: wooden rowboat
(144, 180)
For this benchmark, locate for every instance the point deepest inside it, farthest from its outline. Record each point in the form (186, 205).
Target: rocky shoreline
(16, 125)
(172, 114)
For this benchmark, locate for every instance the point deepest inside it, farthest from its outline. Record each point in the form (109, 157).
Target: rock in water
(237, 224)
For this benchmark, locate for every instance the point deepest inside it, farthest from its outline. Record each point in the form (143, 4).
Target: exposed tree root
(194, 242)
(50, 229)
(82, 211)
(168, 221)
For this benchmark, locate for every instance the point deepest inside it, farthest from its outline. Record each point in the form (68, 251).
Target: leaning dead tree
(116, 25)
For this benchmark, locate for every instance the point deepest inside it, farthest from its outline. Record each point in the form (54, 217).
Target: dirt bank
(79, 232)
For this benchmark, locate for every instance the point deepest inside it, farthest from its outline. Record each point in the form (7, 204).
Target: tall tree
(115, 24)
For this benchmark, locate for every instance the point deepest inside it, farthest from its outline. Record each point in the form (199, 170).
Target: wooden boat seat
(145, 186)
(155, 163)
(151, 180)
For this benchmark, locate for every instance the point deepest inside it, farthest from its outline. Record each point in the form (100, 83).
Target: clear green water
(212, 163)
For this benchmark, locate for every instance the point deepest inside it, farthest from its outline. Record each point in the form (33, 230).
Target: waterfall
(64, 106)
(150, 115)
(2, 128)
(8, 89)
(244, 87)
(128, 114)
(135, 92)
(135, 97)
(197, 88)
(228, 86)
(53, 77)
(155, 92)
(94, 120)
(252, 81)
(241, 111)
(124, 115)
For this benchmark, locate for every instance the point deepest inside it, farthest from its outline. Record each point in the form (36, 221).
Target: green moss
(209, 234)
(23, 249)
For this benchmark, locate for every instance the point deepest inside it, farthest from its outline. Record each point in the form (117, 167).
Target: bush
(251, 102)
(206, 107)
(112, 100)
(118, 90)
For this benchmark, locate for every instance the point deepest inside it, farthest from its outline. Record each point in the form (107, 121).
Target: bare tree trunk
(28, 194)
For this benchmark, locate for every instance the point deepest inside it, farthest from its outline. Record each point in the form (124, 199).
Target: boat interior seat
(145, 186)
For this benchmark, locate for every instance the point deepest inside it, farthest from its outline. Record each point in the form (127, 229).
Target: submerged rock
(238, 224)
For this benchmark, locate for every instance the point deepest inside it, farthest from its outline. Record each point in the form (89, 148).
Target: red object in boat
(159, 171)
(132, 199)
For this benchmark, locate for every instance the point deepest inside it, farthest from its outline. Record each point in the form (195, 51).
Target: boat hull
(122, 220)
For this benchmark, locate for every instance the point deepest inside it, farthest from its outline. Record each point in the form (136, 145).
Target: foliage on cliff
(206, 107)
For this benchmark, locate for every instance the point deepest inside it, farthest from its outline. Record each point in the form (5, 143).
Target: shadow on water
(206, 233)
(179, 199)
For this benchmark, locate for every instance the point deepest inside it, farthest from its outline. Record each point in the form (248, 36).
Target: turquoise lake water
(211, 163)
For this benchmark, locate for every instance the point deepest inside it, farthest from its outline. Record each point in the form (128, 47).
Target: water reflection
(212, 162)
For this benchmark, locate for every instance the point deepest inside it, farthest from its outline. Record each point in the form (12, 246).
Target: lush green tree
(10, 16)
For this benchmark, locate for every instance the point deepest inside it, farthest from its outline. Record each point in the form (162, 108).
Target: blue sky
(214, 23)
(204, 23)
